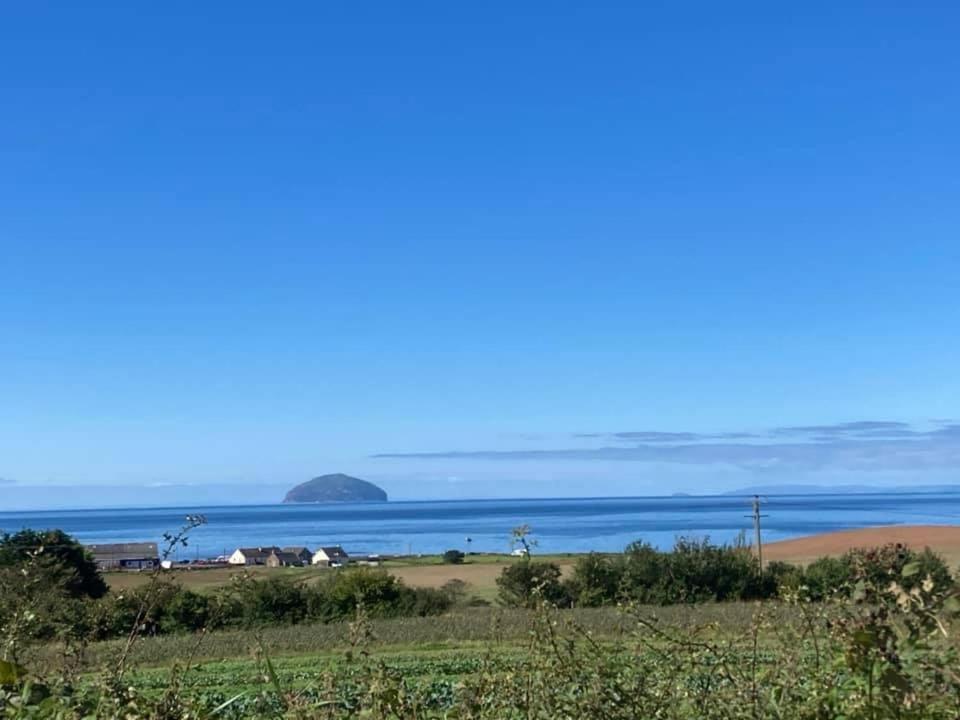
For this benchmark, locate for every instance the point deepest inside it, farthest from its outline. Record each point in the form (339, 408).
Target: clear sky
(475, 249)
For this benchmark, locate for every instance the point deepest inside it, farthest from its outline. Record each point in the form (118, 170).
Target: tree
(520, 538)
(63, 558)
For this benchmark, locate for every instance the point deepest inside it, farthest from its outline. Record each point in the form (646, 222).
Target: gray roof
(300, 550)
(253, 552)
(123, 551)
(285, 557)
(334, 551)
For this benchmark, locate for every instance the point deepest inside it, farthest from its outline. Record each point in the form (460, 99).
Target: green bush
(453, 557)
(187, 611)
(595, 581)
(378, 591)
(694, 571)
(271, 601)
(824, 578)
(889, 563)
(525, 583)
(47, 580)
(65, 561)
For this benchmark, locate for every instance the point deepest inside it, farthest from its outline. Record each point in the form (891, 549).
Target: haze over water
(560, 525)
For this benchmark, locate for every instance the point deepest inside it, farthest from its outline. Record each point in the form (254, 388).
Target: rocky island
(335, 488)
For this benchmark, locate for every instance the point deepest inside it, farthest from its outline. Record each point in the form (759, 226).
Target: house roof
(288, 558)
(300, 550)
(333, 551)
(123, 551)
(259, 551)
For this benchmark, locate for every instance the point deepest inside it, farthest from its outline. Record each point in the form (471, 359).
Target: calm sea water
(561, 525)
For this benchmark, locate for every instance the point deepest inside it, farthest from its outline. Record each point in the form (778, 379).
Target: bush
(826, 577)
(453, 557)
(187, 611)
(644, 570)
(695, 571)
(595, 581)
(379, 591)
(881, 566)
(777, 575)
(62, 558)
(524, 583)
(47, 580)
(422, 602)
(455, 589)
(269, 602)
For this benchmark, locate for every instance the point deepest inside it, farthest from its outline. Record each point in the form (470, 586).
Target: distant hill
(335, 488)
(841, 490)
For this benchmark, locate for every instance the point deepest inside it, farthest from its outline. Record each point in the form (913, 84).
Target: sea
(558, 525)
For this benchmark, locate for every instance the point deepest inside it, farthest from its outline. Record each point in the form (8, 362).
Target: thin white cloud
(871, 445)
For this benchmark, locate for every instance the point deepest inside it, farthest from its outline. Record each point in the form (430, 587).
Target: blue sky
(467, 250)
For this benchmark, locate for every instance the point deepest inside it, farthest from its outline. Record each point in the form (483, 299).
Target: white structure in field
(334, 556)
(251, 556)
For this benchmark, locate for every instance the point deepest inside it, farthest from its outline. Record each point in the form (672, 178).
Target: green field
(727, 661)
(469, 628)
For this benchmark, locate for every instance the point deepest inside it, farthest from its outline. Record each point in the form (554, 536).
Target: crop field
(464, 630)
(730, 661)
(259, 672)
(227, 678)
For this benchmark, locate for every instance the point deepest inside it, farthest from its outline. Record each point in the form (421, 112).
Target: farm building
(333, 556)
(282, 558)
(304, 553)
(252, 555)
(125, 556)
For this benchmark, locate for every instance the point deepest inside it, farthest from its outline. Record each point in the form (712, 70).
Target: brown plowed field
(944, 539)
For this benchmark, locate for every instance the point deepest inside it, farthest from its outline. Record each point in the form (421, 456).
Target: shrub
(187, 611)
(777, 575)
(455, 589)
(695, 571)
(644, 570)
(422, 601)
(524, 583)
(65, 561)
(453, 557)
(270, 601)
(887, 564)
(595, 581)
(826, 577)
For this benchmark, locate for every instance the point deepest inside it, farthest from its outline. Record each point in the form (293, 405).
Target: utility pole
(756, 531)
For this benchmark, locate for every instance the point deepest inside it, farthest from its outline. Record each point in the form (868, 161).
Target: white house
(334, 556)
(251, 556)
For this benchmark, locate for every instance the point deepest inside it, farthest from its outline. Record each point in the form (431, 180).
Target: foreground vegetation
(868, 636)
